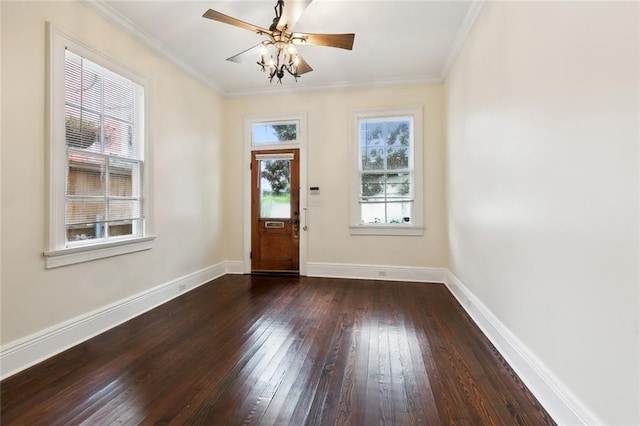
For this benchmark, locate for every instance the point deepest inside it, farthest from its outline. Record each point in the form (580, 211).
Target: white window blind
(104, 152)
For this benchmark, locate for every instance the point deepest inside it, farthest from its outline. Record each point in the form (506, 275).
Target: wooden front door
(275, 214)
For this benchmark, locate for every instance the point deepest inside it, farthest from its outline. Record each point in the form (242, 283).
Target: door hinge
(250, 255)
(250, 166)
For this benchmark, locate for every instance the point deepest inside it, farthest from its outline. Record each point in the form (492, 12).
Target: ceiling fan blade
(303, 66)
(221, 17)
(252, 53)
(291, 13)
(342, 41)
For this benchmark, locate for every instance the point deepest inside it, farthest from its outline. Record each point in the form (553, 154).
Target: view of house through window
(386, 170)
(103, 136)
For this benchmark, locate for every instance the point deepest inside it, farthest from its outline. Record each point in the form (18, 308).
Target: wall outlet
(382, 273)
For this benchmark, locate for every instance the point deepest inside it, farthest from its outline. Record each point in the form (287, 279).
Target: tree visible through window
(277, 172)
(274, 133)
(276, 177)
(386, 170)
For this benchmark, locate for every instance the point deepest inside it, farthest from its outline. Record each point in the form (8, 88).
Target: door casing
(301, 145)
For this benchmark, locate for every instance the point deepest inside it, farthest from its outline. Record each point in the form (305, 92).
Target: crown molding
(461, 37)
(339, 85)
(102, 8)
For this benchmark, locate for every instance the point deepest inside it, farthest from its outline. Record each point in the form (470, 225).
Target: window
(274, 133)
(96, 156)
(387, 183)
(104, 161)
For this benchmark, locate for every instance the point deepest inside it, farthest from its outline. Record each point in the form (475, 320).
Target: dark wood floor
(281, 350)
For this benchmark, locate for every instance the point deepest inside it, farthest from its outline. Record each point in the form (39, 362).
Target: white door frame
(300, 144)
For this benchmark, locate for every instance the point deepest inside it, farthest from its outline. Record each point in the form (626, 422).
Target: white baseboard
(235, 267)
(23, 353)
(555, 397)
(376, 272)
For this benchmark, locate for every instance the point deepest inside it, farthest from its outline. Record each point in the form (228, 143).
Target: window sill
(70, 256)
(400, 230)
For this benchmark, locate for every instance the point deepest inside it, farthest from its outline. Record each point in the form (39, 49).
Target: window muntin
(104, 152)
(386, 183)
(274, 133)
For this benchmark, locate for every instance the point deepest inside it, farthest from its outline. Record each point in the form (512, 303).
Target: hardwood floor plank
(309, 384)
(280, 409)
(397, 405)
(419, 388)
(358, 403)
(206, 400)
(329, 358)
(372, 401)
(459, 409)
(303, 333)
(340, 364)
(281, 350)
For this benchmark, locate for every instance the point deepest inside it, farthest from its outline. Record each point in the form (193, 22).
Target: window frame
(58, 252)
(416, 166)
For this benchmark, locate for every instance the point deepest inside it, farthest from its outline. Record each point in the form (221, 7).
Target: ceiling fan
(277, 54)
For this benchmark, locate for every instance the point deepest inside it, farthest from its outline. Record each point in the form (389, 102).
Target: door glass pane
(275, 189)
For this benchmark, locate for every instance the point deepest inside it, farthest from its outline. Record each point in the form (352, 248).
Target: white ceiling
(396, 41)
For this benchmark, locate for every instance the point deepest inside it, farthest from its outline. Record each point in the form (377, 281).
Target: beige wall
(543, 187)
(541, 202)
(196, 170)
(1, 214)
(185, 136)
(328, 141)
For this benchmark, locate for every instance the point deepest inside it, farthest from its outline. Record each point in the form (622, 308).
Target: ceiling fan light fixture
(282, 57)
(277, 54)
